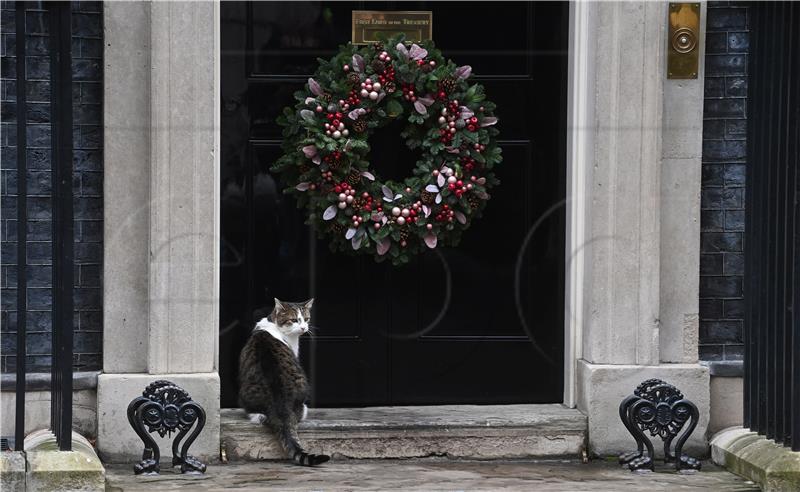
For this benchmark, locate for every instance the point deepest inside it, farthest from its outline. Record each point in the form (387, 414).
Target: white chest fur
(293, 342)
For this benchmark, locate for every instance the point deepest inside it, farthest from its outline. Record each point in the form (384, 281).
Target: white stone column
(640, 160)
(162, 214)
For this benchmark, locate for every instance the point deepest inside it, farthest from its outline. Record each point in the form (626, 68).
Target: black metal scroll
(166, 408)
(660, 409)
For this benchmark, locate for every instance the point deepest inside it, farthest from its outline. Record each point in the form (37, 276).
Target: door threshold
(457, 431)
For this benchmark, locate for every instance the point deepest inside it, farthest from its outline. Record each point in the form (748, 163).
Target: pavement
(430, 474)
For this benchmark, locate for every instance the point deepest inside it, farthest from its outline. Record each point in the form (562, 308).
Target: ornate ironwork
(660, 409)
(166, 408)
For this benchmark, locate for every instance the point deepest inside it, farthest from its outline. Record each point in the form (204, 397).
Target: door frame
(580, 141)
(579, 144)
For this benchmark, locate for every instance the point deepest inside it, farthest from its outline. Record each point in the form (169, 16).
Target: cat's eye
(294, 320)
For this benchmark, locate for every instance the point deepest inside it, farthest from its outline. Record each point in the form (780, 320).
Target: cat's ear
(279, 305)
(309, 303)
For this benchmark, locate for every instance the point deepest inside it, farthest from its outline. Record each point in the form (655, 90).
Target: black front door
(481, 323)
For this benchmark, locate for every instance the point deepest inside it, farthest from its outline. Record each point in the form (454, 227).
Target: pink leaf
(387, 193)
(452, 150)
(482, 195)
(314, 87)
(463, 72)
(402, 50)
(356, 241)
(460, 217)
(330, 212)
(354, 114)
(358, 63)
(427, 101)
(466, 113)
(440, 180)
(302, 186)
(368, 175)
(383, 246)
(350, 233)
(481, 181)
(489, 121)
(417, 53)
(310, 150)
(438, 198)
(316, 159)
(430, 240)
(432, 189)
(309, 100)
(421, 109)
(427, 210)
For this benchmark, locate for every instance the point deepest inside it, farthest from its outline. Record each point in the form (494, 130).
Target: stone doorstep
(774, 467)
(455, 431)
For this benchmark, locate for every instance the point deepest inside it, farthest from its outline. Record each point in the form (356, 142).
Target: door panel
(481, 323)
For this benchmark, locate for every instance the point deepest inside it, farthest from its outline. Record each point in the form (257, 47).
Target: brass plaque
(367, 24)
(683, 44)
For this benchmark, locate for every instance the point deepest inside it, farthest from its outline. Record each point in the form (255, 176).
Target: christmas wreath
(326, 146)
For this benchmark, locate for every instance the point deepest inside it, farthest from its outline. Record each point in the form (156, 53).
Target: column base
(116, 440)
(601, 388)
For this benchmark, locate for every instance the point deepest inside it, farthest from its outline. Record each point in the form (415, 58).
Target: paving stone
(430, 474)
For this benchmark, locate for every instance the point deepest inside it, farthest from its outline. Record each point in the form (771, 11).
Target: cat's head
(292, 318)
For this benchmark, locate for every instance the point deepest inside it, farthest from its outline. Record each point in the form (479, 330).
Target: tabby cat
(273, 388)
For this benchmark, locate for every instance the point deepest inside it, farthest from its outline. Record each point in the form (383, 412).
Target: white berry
(401, 220)
(396, 211)
(373, 95)
(337, 134)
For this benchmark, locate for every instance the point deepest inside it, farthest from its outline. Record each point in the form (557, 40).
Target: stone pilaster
(162, 213)
(641, 221)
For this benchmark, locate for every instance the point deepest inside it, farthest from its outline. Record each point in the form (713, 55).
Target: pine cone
(354, 79)
(390, 87)
(425, 68)
(360, 125)
(448, 84)
(378, 66)
(303, 168)
(334, 164)
(378, 46)
(404, 234)
(354, 178)
(427, 197)
(325, 97)
(474, 201)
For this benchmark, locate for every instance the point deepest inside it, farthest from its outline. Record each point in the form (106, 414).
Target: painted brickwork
(87, 90)
(724, 153)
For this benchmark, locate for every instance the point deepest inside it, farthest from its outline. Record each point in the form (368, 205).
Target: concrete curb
(12, 471)
(51, 469)
(774, 467)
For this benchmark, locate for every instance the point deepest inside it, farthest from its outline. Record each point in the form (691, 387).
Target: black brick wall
(87, 94)
(724, 153)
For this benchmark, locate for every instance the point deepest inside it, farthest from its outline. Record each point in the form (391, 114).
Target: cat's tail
(298, 454)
